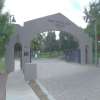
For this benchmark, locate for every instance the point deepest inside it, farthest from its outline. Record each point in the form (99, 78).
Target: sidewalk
(18, 89)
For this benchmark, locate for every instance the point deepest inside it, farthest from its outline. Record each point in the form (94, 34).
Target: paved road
(17, 88)
(79, 85)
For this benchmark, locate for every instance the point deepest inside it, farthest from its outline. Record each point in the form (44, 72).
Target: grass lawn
(49, 54)
(2, 65)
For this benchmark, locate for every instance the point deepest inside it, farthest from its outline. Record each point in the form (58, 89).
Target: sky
(25, 10)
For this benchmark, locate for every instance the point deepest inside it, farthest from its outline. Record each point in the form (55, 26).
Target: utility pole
(96, 47)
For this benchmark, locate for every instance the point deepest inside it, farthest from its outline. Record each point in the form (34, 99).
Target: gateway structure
(24, 35)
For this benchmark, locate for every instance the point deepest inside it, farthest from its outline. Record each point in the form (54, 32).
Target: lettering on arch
(58, 23)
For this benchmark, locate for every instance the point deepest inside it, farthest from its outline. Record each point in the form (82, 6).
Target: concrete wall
(30, 71)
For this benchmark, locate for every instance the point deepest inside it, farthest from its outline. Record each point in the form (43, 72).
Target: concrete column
(9, 59)
(90, 54)
(82, 50)
(25, 55)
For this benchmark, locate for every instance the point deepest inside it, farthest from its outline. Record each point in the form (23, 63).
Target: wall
(30, 71)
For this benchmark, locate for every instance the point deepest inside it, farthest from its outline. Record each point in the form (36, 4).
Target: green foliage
(2, 65)
(1, 5)
(67, 42)
(35, 44)
(6, 29)
(47, 42)
(50, 54)
(51, 42)
(93, 14)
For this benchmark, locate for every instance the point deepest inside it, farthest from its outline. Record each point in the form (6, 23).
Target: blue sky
(76, 5)
(30, 9)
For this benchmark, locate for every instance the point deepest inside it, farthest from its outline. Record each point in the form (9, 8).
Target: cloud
(31, 9)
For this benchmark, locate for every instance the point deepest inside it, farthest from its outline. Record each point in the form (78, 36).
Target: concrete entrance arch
(31, 28)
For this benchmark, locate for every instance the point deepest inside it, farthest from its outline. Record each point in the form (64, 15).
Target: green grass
(2, 65)
(49, 54)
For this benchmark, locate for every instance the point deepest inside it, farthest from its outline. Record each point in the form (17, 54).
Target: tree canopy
(93, 14)
(67, 42)
(50, 42)
(6, 28)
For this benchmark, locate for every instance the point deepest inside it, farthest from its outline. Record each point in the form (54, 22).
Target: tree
(67, 42)
(35, 44)
(1, 5)
(51, 42)
(6, 29)
(93, 27)
(93, 13)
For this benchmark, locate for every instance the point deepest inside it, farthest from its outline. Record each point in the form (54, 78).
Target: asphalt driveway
(81, 82)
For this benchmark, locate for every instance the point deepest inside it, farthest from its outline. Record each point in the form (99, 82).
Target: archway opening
(55, 44)
(17, 56)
